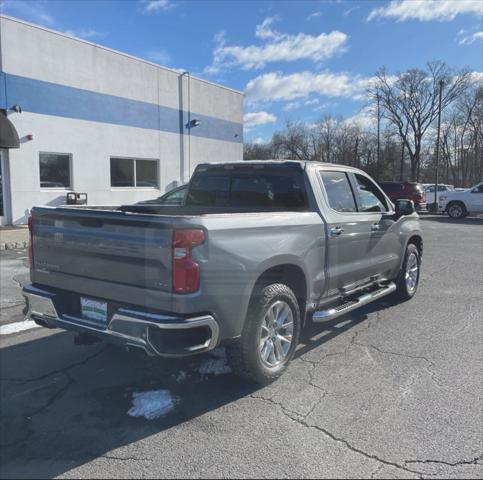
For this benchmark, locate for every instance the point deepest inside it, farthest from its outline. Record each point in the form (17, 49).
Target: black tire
(245, 356)
(456, 210)
(403, 291)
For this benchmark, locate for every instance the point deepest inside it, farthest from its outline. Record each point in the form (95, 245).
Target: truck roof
(293, 163)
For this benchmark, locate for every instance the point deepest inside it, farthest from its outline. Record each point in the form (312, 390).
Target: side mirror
(404, 207)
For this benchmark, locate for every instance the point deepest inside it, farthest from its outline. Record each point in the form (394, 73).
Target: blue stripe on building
(48, 98)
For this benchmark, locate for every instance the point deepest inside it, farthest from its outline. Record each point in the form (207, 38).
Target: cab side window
(339, 191)
(370, 197)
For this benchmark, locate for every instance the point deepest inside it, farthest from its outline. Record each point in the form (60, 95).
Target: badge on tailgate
(94, 310)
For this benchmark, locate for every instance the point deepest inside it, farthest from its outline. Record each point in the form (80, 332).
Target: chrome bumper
(130, 327)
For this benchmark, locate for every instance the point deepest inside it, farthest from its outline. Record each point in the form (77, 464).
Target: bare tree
(409, 101)
(294, 142)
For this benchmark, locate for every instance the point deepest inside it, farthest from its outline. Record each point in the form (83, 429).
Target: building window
(55, 170)
(134, 172)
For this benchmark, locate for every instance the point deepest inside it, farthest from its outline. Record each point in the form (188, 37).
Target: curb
(13, 245)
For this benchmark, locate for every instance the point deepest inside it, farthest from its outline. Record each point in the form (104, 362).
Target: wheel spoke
(279, 349)
(286, 339)
(283, 315)
(269, 318)
(267, 350)
(286, 326)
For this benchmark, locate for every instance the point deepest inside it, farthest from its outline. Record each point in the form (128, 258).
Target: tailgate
(111, 246)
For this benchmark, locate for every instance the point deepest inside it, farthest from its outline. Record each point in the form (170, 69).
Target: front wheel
(408, 280)
(270, 335)
(456, 210)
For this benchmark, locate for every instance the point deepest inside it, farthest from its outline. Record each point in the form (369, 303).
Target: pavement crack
(430, 363)
(56, 396)
(50, 401)
(13, 305)
(473, 461)
(288, 413)
(54, 372)
(124, 459)
(377, 470)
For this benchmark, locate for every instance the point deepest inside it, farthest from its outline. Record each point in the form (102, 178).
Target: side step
(349, 305)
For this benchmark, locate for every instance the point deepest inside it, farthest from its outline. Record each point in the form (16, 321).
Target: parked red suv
(408, 190)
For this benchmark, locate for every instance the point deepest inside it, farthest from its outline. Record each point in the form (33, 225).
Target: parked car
(257, 251)
(429, 191)
(408, 190)
(173, 197)
(459, 204)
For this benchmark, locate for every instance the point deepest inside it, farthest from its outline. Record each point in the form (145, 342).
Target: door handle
(375, 227)
(335, 231)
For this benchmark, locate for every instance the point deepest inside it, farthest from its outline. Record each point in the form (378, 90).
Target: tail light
(185, 271)
(30, 247)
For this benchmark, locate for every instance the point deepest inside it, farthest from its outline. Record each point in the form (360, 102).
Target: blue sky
(295, 60)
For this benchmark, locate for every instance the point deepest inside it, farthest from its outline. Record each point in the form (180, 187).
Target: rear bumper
(157, 334)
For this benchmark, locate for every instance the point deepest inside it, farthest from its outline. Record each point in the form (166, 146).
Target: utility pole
(378, 161)
(436, 172)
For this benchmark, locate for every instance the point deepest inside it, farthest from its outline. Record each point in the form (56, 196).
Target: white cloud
(426, 10)
(35, 11)
(157, 5)
(348, 11)
(469, 38)
(159, 55)
(85, 33)
(258, 118)
(364, 119)
(314, 15)
(32, 11)
(311, 101)
(290, 106)
(476, 77)
(277, 47)
(276, 86)
(264, 30)
(259, 141)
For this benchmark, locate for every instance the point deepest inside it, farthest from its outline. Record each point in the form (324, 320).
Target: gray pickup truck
(257, 250)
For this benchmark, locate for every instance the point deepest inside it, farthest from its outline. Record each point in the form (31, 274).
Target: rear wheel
(408, 280)
(269, 337)
(457, 210)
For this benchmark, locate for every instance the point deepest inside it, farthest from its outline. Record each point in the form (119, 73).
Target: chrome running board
(349, 305)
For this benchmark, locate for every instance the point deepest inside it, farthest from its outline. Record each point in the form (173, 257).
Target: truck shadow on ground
(63, 406)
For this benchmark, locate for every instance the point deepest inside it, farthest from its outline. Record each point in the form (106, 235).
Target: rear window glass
(267, 191)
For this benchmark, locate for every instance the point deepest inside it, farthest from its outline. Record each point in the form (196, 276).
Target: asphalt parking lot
(390, 391)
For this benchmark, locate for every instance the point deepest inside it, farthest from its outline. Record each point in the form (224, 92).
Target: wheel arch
(458, 201)
(289, 274)
(418, 241)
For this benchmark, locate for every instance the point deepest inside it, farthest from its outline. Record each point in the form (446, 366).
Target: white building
(98, 121)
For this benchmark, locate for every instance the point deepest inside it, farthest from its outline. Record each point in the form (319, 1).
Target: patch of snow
(152, 404)
(16, 327)
(181, 377)
(214, 366)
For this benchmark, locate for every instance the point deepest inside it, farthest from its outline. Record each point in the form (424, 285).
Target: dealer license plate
(94, 310)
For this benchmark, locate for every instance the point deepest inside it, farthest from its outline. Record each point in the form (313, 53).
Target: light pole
(378, 164)
(436, 170)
